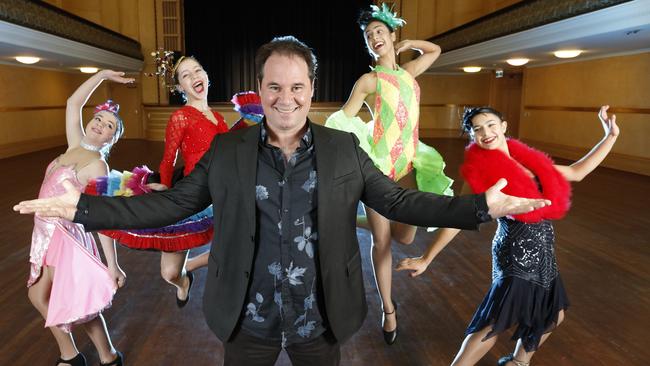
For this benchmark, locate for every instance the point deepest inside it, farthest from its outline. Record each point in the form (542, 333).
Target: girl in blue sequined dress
(526, 291)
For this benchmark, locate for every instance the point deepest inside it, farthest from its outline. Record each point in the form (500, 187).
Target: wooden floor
(602, 248)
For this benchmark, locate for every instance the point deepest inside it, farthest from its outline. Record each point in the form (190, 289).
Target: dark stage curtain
(225, 43)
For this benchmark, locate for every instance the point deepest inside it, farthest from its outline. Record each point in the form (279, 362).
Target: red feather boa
(483, 168)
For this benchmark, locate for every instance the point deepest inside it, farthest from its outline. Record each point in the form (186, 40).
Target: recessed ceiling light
(88, 70)
(567, 53)
(27, 59)
(472, 68)
(517, 61)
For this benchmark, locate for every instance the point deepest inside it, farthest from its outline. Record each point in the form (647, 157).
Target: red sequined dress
(191, 132)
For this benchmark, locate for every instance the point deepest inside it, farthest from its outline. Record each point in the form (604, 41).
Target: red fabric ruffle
(162, 242)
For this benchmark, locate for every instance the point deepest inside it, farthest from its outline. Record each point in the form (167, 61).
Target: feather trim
(483, 168)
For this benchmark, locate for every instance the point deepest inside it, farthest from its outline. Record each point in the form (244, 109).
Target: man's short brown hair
(285, 46)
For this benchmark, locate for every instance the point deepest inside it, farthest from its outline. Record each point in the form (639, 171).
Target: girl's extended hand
(157, 187)
(402, 46)
(117, 275)
(116, 76)
(63, 206)
(417, 266)
(609, 124)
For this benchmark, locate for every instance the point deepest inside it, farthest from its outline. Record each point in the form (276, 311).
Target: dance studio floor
(603, 250)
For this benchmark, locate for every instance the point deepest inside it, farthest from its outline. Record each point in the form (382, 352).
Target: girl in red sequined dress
(190, 130)
(249, 106)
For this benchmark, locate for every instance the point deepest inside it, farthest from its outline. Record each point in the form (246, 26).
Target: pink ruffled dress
(82, 286)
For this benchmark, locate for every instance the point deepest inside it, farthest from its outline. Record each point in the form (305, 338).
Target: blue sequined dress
(526, 290)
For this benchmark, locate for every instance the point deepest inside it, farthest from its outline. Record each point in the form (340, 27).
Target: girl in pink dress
(68, 284)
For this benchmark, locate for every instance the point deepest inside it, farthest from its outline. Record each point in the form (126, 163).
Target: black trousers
(247, 350)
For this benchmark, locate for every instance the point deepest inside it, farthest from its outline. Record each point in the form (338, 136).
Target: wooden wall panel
(427, 18)
(454, 89)
(619, 81)
(137, 20)
(443, 98)
(32, 111)
(560, 108)
(120, 16)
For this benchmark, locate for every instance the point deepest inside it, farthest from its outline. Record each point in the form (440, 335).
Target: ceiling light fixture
(27, 59)
(567, 53)
(88, 70)
(517, 61)
(472, 68)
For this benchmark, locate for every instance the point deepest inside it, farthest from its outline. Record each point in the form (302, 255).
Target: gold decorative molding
(516, 18)
(441, 133)
(169, 25)
(588, 109)
(441, 105)
(47, 18)
(36, 108)
(156, 116)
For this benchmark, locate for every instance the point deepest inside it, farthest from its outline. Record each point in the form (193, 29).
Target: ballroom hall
(548, 66)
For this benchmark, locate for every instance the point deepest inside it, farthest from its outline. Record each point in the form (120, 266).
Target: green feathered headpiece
(385, 15)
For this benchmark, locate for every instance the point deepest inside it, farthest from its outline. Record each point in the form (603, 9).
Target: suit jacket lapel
(326, 156)
(247, 152)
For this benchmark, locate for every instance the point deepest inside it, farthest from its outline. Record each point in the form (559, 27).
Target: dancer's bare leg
(39, 295)
(197, 262)
(474, 348)
(403, 233)
(98, 334)
(520, 352)
(382, 263)
(172, 270)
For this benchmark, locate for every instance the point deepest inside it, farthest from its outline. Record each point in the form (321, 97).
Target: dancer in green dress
(391, 139)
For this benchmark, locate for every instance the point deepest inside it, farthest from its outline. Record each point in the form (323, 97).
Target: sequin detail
(524, 251)
(191, 132)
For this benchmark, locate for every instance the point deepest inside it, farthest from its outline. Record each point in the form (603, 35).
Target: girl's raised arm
(74, 129)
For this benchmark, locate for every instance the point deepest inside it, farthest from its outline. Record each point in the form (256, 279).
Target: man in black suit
(285, 268)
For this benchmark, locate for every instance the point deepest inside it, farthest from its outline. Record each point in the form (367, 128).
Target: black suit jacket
(226, 177)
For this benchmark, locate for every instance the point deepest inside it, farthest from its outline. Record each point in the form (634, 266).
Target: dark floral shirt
(283, 301)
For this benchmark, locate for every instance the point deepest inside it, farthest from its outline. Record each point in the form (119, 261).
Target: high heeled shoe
(118, 361)
(181, 303)
(389, 336)
(511, 358)
(78, 360)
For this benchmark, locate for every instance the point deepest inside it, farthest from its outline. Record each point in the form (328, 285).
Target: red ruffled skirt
(192, 232)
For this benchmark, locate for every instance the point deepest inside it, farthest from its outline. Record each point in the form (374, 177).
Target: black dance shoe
(118, 361)
(181, 303)
(389, 336)
(78, 360)
(511, 358)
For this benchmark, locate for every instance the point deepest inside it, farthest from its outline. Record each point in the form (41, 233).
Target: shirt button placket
(285, 248)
